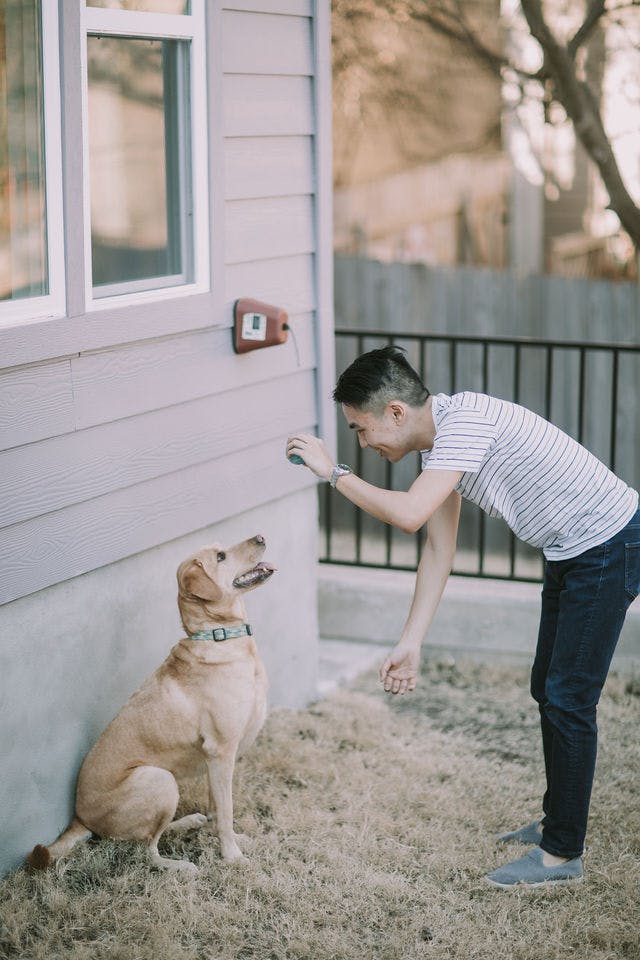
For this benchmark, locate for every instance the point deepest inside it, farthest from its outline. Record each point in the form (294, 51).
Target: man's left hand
(399, 672)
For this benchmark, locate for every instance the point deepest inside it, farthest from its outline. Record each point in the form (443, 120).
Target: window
(31, 266)
(146, 195)
(139, 163)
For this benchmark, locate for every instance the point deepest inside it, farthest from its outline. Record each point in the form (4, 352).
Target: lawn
(372, 821)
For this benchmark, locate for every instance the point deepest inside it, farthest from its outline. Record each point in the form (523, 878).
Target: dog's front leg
(220, 770)
(211, 807)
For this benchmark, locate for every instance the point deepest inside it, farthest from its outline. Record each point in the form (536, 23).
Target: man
(554, 495)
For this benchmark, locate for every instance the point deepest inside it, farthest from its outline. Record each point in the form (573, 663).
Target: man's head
(378, 377)
(383, 399)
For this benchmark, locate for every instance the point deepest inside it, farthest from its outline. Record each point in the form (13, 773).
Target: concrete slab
(341, 661)
(477, 618)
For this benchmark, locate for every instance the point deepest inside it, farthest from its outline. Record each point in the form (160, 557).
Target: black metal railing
(590, 390)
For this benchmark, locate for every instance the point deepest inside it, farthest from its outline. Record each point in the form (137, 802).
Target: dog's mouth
(258, 574)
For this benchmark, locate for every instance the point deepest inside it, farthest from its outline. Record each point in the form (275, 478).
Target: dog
(201, 708)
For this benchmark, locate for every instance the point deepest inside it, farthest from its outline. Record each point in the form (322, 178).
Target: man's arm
(400, 669)
(408, 510)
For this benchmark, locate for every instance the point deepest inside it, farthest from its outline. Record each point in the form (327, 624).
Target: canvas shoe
(531, 834)
(530, 871)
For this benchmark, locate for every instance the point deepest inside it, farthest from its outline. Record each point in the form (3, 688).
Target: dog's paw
(231, 853)
(198, 820)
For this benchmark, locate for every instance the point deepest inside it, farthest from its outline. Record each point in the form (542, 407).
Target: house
(159, 159)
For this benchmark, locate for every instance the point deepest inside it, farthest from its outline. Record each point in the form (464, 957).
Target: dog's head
(213, 581)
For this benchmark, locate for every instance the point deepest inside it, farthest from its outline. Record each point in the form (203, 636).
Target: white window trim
(52, 304)
(190, 27)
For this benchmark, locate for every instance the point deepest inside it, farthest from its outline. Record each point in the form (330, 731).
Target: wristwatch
(340, 470)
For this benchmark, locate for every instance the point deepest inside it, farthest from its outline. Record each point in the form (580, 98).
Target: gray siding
(125, 428)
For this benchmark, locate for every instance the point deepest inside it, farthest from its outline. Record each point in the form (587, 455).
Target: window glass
(139, 164)
(23, 235)
(148, 6)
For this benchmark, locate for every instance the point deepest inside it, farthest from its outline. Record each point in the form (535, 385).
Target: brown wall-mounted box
(257, 324)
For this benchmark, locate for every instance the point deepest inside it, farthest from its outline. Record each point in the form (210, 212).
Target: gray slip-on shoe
(531, 834)
(530, 871)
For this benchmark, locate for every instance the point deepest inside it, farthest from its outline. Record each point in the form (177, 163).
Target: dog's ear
(194, 579)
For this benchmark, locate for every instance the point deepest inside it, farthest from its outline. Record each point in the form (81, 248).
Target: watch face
(339, 470)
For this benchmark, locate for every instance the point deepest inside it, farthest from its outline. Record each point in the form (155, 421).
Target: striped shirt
(551, 491)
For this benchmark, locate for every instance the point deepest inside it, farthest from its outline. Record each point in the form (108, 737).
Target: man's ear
(398, 411)
(198, 583)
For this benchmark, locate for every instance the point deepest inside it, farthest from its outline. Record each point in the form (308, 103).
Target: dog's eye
(221, 556)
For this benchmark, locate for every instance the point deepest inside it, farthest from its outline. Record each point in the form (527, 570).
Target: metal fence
(588, 389)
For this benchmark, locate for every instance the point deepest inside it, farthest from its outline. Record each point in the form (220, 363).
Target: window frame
(191, 28)
(53, 303)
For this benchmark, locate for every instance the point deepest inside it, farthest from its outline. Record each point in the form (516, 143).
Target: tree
(405, 94)
(561, 76)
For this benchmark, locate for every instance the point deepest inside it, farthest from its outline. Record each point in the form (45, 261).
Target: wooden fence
(416, 298)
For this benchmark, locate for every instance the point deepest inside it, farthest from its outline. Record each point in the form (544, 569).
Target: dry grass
(372, 822)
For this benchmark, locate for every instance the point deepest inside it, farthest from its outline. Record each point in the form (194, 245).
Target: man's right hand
(399, 672)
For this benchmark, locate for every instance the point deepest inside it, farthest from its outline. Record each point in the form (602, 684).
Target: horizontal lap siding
(80, 466)
(258, 167)
(113, 450)
(268, 106)
(35, 403)
(143, 516)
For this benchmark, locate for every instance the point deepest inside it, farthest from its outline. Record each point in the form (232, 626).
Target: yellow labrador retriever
(201, 707)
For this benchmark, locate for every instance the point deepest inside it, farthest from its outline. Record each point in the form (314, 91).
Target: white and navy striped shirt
(551, 491)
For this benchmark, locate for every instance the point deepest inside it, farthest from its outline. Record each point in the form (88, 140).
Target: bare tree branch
(474, 37)
(582, 108)
(595, 12)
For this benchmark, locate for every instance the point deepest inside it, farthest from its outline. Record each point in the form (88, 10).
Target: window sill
(38, 339)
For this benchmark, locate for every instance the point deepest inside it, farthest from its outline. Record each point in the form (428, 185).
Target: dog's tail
(42, 857)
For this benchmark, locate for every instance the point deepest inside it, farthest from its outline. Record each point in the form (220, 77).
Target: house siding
(127, 426)
(130, 436)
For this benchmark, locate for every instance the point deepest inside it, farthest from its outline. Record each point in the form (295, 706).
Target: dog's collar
(223, 633)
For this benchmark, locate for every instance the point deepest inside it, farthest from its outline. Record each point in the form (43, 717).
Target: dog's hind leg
(142, 807)
(161, 785)
(193, 821)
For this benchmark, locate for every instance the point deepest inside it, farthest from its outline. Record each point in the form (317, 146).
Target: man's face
(386, 434)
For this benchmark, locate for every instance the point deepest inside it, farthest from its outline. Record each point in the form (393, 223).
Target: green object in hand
(294, 458)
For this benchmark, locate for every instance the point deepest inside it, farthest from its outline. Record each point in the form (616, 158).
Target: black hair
(377, 377)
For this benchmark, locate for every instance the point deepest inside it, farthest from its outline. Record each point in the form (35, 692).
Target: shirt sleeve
(463, 442)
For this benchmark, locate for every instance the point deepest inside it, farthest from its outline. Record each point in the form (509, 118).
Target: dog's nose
(259, 539)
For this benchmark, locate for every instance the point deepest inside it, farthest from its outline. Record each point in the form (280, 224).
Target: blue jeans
(584, 603)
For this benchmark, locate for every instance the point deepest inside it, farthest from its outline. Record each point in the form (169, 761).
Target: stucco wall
(73, 653)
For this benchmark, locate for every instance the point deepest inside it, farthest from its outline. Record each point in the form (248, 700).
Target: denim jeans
(584, 603)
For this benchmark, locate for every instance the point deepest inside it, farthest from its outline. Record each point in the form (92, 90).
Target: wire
(287, 326)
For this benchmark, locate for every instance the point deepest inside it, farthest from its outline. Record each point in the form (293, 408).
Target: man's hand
(314, 453)
(399, 672)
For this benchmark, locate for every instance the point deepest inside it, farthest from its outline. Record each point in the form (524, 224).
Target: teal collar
(223, 633)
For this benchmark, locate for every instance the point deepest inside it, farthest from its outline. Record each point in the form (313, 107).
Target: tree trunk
(582, 109)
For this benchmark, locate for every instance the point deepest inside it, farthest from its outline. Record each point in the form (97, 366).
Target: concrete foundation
(479, 619)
